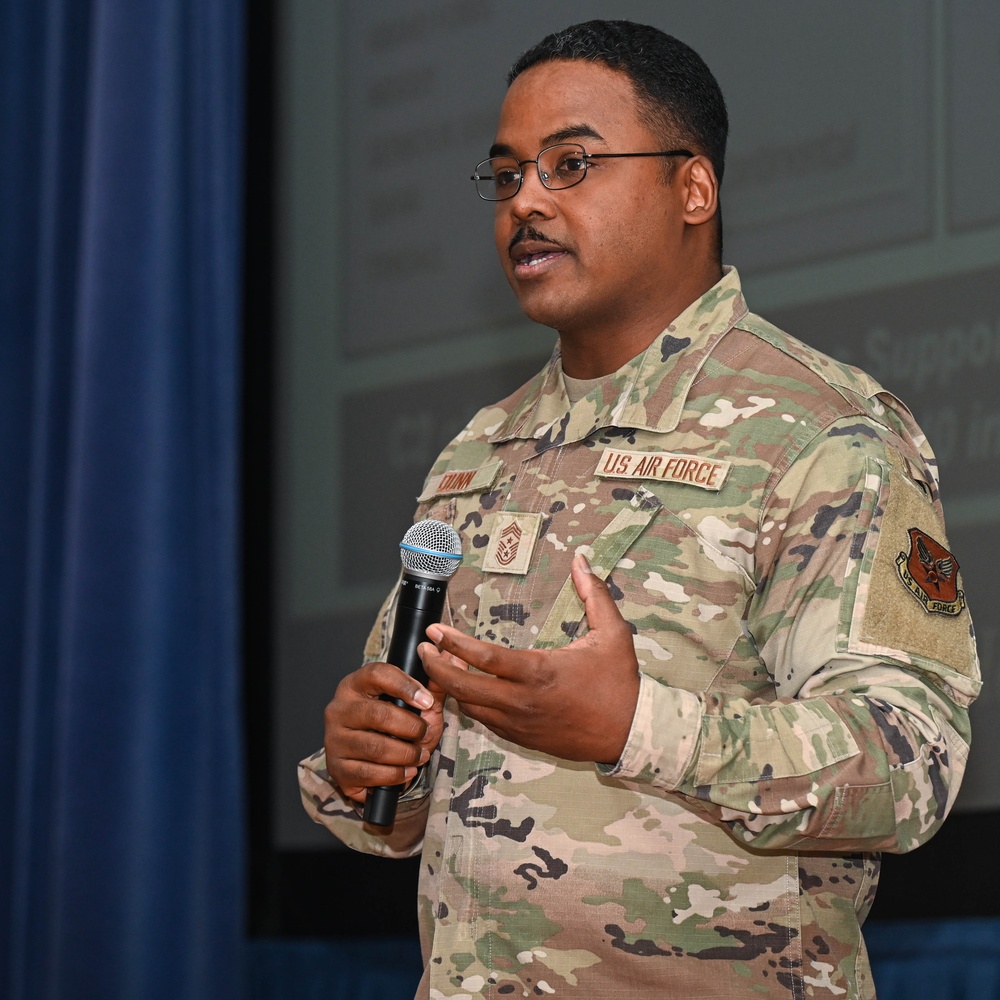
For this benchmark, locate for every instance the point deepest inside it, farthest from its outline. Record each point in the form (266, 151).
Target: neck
(600, 348)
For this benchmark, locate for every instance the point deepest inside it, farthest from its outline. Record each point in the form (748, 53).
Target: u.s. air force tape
(666, 466)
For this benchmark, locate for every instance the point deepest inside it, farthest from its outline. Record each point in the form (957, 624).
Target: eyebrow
(567, 134)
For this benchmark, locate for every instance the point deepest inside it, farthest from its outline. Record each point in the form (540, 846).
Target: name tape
(457, 481)
(665, 466)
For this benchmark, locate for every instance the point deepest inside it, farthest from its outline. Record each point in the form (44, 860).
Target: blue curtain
(121, 806)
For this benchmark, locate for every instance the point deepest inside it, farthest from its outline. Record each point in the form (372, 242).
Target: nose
(533, 198)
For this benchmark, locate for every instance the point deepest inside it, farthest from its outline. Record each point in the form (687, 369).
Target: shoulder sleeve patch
(930, 572)
(907, 602)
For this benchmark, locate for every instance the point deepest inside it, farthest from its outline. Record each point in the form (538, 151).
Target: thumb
(602, 612)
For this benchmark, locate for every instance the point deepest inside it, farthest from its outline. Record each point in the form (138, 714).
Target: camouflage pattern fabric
(768, 522)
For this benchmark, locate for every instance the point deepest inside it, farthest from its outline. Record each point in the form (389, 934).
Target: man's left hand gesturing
(576, 702)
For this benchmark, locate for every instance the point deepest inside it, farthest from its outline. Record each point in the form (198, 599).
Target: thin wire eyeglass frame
(547, 178)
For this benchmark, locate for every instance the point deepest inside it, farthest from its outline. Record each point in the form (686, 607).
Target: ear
(701, 190)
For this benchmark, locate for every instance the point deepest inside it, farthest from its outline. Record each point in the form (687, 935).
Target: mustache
(530, 233)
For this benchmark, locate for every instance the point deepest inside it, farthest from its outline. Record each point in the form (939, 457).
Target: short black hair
(679, 98)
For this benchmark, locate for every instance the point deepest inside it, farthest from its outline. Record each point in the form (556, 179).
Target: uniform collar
(647, 393)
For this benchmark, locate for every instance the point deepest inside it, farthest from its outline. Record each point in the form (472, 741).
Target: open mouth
(535, 259)
(533, 253)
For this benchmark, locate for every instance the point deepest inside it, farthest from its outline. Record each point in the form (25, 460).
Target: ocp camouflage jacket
(768, 522)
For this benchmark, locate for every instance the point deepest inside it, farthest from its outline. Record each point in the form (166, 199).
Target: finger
(373, 749)
(461, 647)
(432, 737)
(441, 667)
(602, 612)
(376, 679)
(355, 775)
(458, 681)
(374, 715)
(429, 649)
(484, 656)
(434, 720)
(358, 759)
(351, 774)
(397, 684)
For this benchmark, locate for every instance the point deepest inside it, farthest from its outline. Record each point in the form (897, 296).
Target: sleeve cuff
(663, 740)
(327, 805)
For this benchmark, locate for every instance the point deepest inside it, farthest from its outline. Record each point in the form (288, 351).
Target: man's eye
(571, 166)
(505, 178)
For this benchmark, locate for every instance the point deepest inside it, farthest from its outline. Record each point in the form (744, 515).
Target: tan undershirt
(577, 388)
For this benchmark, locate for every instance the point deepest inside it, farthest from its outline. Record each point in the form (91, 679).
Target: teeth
(534, 259)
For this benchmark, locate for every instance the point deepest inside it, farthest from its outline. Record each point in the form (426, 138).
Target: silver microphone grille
(431, 548)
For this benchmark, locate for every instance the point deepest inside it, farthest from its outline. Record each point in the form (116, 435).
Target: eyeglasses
(560, 166)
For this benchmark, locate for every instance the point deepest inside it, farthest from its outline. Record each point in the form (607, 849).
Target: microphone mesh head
(431, 548)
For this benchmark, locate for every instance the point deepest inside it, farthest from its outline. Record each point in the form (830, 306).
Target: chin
(545, 312)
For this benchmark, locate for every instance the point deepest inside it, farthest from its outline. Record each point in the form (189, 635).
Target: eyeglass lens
(560, 166)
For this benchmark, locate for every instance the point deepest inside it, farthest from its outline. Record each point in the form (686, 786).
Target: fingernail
(435, 634)
(583, 563)
(423, 698)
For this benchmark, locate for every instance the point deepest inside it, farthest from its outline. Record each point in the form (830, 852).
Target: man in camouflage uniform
(706, 653)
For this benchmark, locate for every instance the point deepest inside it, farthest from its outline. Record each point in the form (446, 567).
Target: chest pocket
(606, 549)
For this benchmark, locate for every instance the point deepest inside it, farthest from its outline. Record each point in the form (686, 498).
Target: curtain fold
(121, 800)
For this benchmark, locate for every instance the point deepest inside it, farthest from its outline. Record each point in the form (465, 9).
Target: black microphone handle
(420, 604)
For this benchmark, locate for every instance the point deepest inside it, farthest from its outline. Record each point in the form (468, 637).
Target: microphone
(430, 551)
